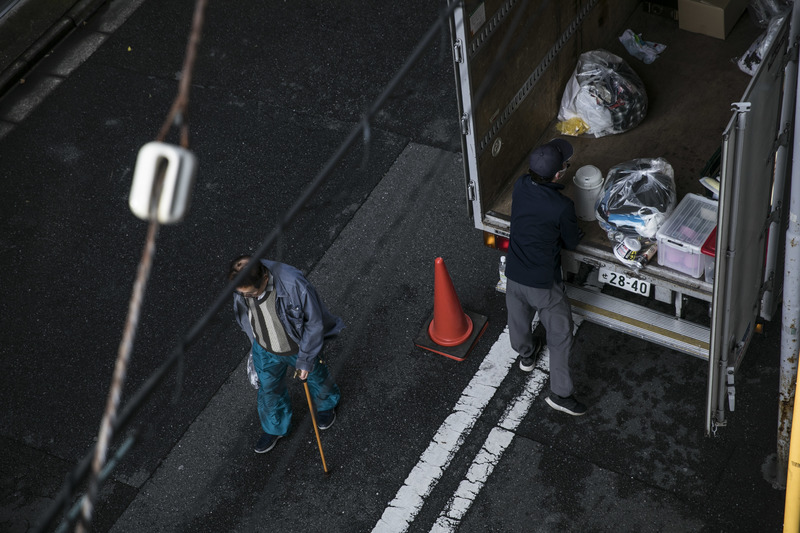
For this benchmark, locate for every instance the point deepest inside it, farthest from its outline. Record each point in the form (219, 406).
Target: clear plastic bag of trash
(252, 375)
(604, 96)
(647, 51)
(636, 198)
(754, 56)
(763, 11)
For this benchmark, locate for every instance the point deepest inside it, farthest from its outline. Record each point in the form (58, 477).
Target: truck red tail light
(495, 241)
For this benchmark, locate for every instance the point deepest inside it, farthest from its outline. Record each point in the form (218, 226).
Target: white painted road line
(493, 448)
(400, 513)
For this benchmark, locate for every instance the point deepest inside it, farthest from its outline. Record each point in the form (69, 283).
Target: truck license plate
(622, 281)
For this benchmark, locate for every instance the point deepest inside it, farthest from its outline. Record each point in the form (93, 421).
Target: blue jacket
(543, 221)
(301, 311)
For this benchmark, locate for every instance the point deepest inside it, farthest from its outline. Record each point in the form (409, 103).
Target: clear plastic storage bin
(684, 233)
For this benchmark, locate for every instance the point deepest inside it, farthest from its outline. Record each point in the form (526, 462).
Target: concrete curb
(81, 11)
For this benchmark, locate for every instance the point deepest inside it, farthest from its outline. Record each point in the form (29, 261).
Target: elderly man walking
(287, 323)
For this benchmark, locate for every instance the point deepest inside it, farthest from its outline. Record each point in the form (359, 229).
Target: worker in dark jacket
(543, 221)
(287, 323)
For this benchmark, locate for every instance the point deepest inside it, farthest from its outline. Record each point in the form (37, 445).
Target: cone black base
(459, 352)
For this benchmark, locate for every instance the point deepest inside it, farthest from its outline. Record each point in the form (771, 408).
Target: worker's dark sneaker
(266, 442)
(325, 419)
(568, 405)
(526, 364)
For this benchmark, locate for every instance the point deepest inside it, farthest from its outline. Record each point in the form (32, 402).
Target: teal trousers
(274, 405)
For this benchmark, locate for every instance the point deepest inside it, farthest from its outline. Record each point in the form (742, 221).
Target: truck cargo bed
(690, 88)
(512, 63)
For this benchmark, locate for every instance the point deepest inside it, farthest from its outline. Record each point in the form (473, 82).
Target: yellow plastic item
(791, 512)
(574, 126)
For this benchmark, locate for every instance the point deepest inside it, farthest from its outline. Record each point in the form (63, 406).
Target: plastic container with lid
(682, 236)
(588, 180)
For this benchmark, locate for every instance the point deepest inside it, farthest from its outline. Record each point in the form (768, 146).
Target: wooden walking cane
(314, 422)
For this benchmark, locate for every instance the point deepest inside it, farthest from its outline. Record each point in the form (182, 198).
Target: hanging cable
(176, 116)
(114, 421)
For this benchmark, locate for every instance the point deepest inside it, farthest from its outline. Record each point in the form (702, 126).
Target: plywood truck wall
(507, 140)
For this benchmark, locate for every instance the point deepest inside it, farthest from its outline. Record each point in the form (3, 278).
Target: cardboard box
(715, 18)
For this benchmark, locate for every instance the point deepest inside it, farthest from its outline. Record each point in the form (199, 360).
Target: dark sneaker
(568, 405)
(325, 419)
(266, 442)
(526, 364)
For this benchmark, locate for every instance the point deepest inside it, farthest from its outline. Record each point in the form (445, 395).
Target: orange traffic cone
(450, 325)
(450, 331)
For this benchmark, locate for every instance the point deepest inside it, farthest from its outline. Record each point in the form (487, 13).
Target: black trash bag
(637, 197)
(604, 96)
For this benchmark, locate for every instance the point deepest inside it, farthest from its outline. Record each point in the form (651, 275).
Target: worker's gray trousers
(555, 315)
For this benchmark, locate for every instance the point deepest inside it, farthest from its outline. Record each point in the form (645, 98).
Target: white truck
(514, 58)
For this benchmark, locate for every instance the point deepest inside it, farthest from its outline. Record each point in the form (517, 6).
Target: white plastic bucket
(588, 180)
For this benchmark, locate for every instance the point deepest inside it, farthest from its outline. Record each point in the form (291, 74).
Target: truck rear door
(745, 207)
